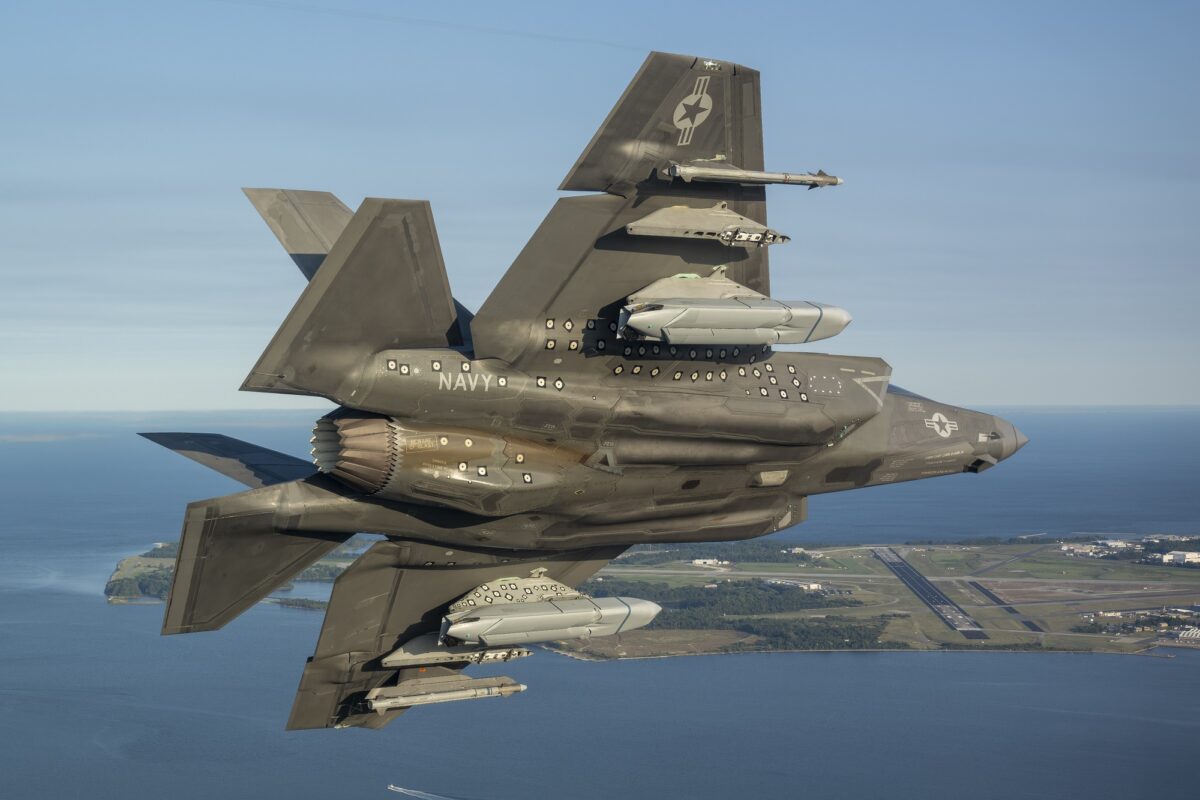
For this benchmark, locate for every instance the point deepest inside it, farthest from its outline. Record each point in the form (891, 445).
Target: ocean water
(95, 704)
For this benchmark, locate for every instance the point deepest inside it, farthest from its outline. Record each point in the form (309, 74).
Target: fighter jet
(620, 386)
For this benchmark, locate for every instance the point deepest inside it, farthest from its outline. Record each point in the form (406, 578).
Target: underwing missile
(425, 691)
(706, 174)
(522, 623)
(733, 320)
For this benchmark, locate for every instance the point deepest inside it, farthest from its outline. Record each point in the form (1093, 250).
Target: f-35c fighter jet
(618, 387)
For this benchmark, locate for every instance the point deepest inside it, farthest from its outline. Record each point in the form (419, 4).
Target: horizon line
(1160, 406)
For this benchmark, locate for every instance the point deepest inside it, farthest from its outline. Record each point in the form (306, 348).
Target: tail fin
(231, 556)
(306, 223)
(382, 286)
(246, 463)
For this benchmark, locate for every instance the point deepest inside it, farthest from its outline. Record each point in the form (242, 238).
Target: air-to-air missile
(725, 174)
(620, 386)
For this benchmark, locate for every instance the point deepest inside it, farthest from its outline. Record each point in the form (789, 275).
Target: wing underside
(392, 594)
(582, 262)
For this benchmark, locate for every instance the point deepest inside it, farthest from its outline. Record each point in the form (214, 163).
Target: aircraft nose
(1011, 438)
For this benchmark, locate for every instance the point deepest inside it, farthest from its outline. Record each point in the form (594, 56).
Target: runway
(990, 595)
(947, 610)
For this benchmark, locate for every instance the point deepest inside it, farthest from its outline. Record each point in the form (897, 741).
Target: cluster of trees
(302, 602)
(152, 583)
(696, 606)
(1128, 625)
(829, 633)
(321, 571)
(741, 606)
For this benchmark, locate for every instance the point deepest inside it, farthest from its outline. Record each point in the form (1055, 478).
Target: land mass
(1023, 594)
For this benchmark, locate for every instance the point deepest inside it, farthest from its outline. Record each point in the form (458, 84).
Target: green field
(1043, 584)
(1061, 588)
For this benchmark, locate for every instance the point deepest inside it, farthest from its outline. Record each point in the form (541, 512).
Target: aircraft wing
(394, 593)
(583, 261)
(246, 463)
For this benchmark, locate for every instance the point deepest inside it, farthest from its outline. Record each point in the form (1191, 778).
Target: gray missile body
(750, 177)
(445, 689)
(523, 623)
(734, 320)
(688, 309)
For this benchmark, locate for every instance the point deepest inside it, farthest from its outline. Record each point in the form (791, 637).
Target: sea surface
(95, 704)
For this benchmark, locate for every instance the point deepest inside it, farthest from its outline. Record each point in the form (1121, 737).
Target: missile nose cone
(1022, 439)
(838, 181)
(641, 612)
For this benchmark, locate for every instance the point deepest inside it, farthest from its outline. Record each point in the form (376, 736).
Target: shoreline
(1146, 653)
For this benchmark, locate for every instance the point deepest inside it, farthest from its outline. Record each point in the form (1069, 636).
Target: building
(808, 587)
(793, 551)
(709, 562)
(1181, 557)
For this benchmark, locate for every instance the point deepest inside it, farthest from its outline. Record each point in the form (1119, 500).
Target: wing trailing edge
(231, 556)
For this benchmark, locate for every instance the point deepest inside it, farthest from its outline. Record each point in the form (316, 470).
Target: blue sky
(1019, 223)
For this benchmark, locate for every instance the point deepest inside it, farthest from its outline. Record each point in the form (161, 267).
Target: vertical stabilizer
(306, 223)
(382, 286)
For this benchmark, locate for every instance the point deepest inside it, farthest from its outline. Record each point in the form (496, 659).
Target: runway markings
(947, 610)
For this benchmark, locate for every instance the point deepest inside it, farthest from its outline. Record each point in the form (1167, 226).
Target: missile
(424, 651)
(447, 689)
(706, 174)
(522, 623)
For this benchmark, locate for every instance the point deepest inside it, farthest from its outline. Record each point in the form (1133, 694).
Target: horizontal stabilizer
(306, 223)
(231, 556)
(246, 463)
(382, 286)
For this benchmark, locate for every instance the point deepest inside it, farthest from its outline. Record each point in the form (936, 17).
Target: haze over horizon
(1017, 225)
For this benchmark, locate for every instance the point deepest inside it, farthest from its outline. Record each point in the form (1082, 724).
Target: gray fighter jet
(618, 387)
